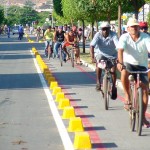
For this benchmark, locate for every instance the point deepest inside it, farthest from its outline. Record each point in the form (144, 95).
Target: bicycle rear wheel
(72, 57)
(139, 111)
(105, 91)
(132, 111)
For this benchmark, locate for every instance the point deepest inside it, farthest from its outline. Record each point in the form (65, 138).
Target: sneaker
(114, 93)
(65, 60)
(146, 123)
(98, 87)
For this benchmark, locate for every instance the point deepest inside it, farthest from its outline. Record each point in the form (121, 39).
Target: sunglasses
(106, 28)
(143, 28)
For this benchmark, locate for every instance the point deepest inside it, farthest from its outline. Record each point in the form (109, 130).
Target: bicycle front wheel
(105, 91)
(132, 111)
(139, 111)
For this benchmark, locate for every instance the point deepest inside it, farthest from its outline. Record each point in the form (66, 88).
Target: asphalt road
(26, 121)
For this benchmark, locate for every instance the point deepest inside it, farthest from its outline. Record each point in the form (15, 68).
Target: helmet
(143, 24)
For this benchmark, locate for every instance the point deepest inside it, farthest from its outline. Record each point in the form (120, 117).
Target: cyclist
(59, 36)
(77, 38)
(103, 46)
(133, 50)
(143, 28)
(48, 36)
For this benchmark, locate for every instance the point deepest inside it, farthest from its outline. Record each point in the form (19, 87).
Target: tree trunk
(92, 30)
(119, 19)
(83, 36)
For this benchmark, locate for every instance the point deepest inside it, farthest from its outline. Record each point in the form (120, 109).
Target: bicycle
(61, 54)
(136, 103)
(107, 81)
(49, 50)
(70, 50)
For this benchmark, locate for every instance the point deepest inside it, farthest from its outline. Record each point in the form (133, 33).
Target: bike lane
(108, 129)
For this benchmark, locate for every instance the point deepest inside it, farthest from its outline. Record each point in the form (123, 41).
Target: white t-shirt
(135, 53)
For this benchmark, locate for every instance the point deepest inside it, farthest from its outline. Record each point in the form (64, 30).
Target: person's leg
(125, 84)
(114, 89)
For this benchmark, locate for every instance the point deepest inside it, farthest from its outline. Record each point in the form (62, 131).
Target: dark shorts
(143, 76)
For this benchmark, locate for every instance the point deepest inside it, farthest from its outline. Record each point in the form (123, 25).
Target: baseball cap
(143, 24)
(105, 25)
(132, 22)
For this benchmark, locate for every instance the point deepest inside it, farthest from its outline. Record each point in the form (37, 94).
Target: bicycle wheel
(105, 91)
(132, 111)
(72, 57)
(60, 56)
(139, 111)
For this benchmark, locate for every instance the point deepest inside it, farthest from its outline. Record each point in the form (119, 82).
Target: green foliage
(28, 15)
(1, 15)
(57, 5)
(29, 3)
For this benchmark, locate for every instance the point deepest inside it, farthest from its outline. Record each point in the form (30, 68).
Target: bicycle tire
(139, 112)
(132, 110)
(105, 91)
(60, 56)
(72, 57)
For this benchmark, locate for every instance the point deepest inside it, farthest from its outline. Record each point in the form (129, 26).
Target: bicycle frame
(107, 80)
(136, 109)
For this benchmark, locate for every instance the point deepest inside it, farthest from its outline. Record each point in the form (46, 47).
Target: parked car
(15, 30)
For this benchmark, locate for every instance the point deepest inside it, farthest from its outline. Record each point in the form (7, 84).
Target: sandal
(98, 87)
(146, 123)
(127, 105)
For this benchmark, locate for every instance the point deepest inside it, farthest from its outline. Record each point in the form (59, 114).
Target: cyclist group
(130, 51)
(54, 38)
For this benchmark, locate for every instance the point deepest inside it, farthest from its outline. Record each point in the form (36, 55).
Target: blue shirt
(105, 46)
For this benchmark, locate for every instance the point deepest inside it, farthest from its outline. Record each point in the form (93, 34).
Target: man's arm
(92, 53)
(120, 59)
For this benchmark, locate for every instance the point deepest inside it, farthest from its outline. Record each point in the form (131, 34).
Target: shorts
(143, 76)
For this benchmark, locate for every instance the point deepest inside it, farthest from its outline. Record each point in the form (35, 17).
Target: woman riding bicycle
(133, 51)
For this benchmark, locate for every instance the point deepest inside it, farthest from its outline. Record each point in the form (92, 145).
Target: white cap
(105, 25)
(132, 22)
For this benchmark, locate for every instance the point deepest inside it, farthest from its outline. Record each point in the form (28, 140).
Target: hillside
(16, 2)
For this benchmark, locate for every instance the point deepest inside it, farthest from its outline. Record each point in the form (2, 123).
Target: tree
(1, 14)
(58, 7)
(28, 15)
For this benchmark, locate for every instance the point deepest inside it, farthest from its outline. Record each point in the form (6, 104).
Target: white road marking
(60, 125)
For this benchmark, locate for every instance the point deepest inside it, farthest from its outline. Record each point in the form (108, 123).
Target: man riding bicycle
(59, 36)
(71, 40)
(48, 36)
(103, 46)
(133, 51)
